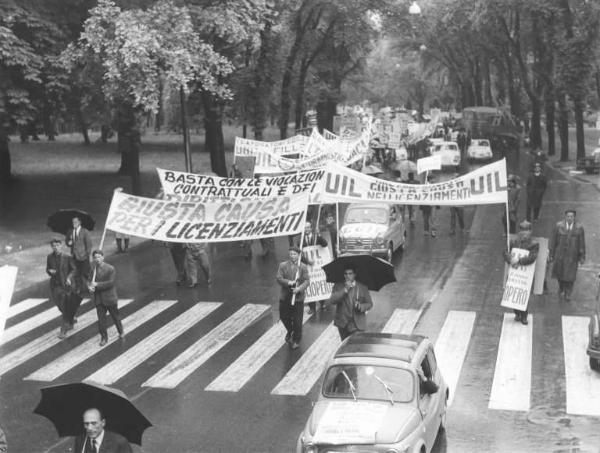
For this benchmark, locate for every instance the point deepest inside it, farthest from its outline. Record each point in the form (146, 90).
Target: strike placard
(518, 283)
(212, 221)
(485, 185)
(319, 288)
(349, 422)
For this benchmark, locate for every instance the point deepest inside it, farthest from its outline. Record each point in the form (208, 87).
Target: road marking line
(46, 341)
(251, 361)
(31, 323)
(89, 348)
(24, 305)
(306, 371)
(128, 360)
(583, 384)
(193, 357)
(402, 321)
(511, 387)
(451, 346)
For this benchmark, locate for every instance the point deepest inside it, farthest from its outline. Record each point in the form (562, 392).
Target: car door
(429, 405)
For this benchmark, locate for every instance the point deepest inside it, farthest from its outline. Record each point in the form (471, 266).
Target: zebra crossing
(510, 388)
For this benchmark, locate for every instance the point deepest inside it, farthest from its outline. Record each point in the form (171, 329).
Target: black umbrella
(62, 220)
(65, 404)
(371, 271)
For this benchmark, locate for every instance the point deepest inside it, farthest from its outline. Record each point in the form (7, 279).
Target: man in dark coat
(292, 276)
(523, 241)
(311, 238)
(567, 251)
(102, 286)
(352, 300)
(61, 269)
(96, 438)
(536, 186)
(333, 232)
(80, 241)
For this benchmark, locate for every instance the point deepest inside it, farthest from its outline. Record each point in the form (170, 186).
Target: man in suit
(96, 438)
(102, 287)
(80, 241)
(292, 276)
(352, 300)
(567, 251)
(311, 238)
(61, 269)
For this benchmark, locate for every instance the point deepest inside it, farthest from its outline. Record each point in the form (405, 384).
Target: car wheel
(594, 364)
(390, 253)
(443, 420)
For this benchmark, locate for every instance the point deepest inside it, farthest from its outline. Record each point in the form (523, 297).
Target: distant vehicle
(593, 349)
(479, 149)
(449, 152)
(372, 228)
(590, 163)
(390, 391)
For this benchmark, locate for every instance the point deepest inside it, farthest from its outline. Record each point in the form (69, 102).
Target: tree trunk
(299, 111)
(550, 119)
(563, 127)
(515, 105)
(487, 94)
(477, 88)
(213, 126)
(285, 105)
(185, 129)
(579, 133)
(536, 127)
(129, 144)
(5, 164)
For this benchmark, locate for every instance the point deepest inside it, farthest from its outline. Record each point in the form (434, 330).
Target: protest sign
(319, 288)
(518, 283)
(429, 163)
(266, 153)
(212, 221)
(8, 277)
(485, 185)
(349, 422)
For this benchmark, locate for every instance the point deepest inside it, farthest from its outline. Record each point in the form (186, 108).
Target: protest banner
(212, 221)
(329, 135)
(319, 288)
(8, 278)
(429, 163)
(485, 185)
(518, 283)
(265, 152)
(191, 187)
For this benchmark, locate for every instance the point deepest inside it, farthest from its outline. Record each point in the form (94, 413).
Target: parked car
(449, 152)
(372, 228)
(593, 349)
(380, 393)
(434, 141)
(479, 149)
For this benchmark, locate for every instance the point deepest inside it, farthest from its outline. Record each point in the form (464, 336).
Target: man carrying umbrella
(96, 438)
(352, 300)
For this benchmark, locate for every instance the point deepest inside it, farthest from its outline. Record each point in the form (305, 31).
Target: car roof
(381, 345)
(368, 205)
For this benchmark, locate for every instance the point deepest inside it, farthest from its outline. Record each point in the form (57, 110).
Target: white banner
(216, 221)
(319, 288)
(266, 153)
(518, 283)
(429, 163)
(485, 185)
(182, 186)
(8, 278)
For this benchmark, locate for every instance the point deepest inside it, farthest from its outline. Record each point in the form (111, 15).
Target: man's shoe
(311, 311)
(517, 317)
(295, 345)
(288, 337)
(103, 342)
(524, 320)
(62, 335)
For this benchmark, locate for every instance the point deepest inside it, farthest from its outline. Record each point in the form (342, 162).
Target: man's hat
(296, 249)
(525, 225)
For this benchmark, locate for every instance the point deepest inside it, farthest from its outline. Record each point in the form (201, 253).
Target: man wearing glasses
(352, 300)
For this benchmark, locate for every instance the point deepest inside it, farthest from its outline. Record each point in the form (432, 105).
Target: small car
(380, 393)
(434, 141)
(372, 228)
(593, 349)
(449, 152)
(479, 149)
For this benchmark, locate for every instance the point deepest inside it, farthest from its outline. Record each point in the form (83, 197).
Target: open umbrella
(374, 272)
(65, 404)
(372, 170)
(62, 220)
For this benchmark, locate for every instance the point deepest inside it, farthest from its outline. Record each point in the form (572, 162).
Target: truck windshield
(366, 215)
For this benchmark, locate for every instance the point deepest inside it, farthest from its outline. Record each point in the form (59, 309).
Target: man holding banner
(518, 288)
(292, 276)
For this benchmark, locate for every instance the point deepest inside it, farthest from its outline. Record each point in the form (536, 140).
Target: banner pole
(507, 227)
(317, 224)
(300, 257)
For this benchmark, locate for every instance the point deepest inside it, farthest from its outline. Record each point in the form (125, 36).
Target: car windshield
(369, 382)
(451, 147)
(366, 215)
(482, 143)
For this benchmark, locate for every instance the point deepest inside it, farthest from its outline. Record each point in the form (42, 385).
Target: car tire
(594, 364)
(390, 253)
(443, 420)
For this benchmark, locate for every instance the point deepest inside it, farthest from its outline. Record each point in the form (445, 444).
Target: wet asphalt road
(462, 272)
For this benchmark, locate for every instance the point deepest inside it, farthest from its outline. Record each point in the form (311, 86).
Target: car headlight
(379, 240)
(310, 448)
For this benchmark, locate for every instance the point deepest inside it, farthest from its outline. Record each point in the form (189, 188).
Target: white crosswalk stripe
(90, 347)
(251, 361)
(511, 387)
(451, 346)
(193, 357)
(402, 321)
(31, 323)
(307, 370)
(138, 354)
(47, 340)
(24, 305)
(583, 384)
